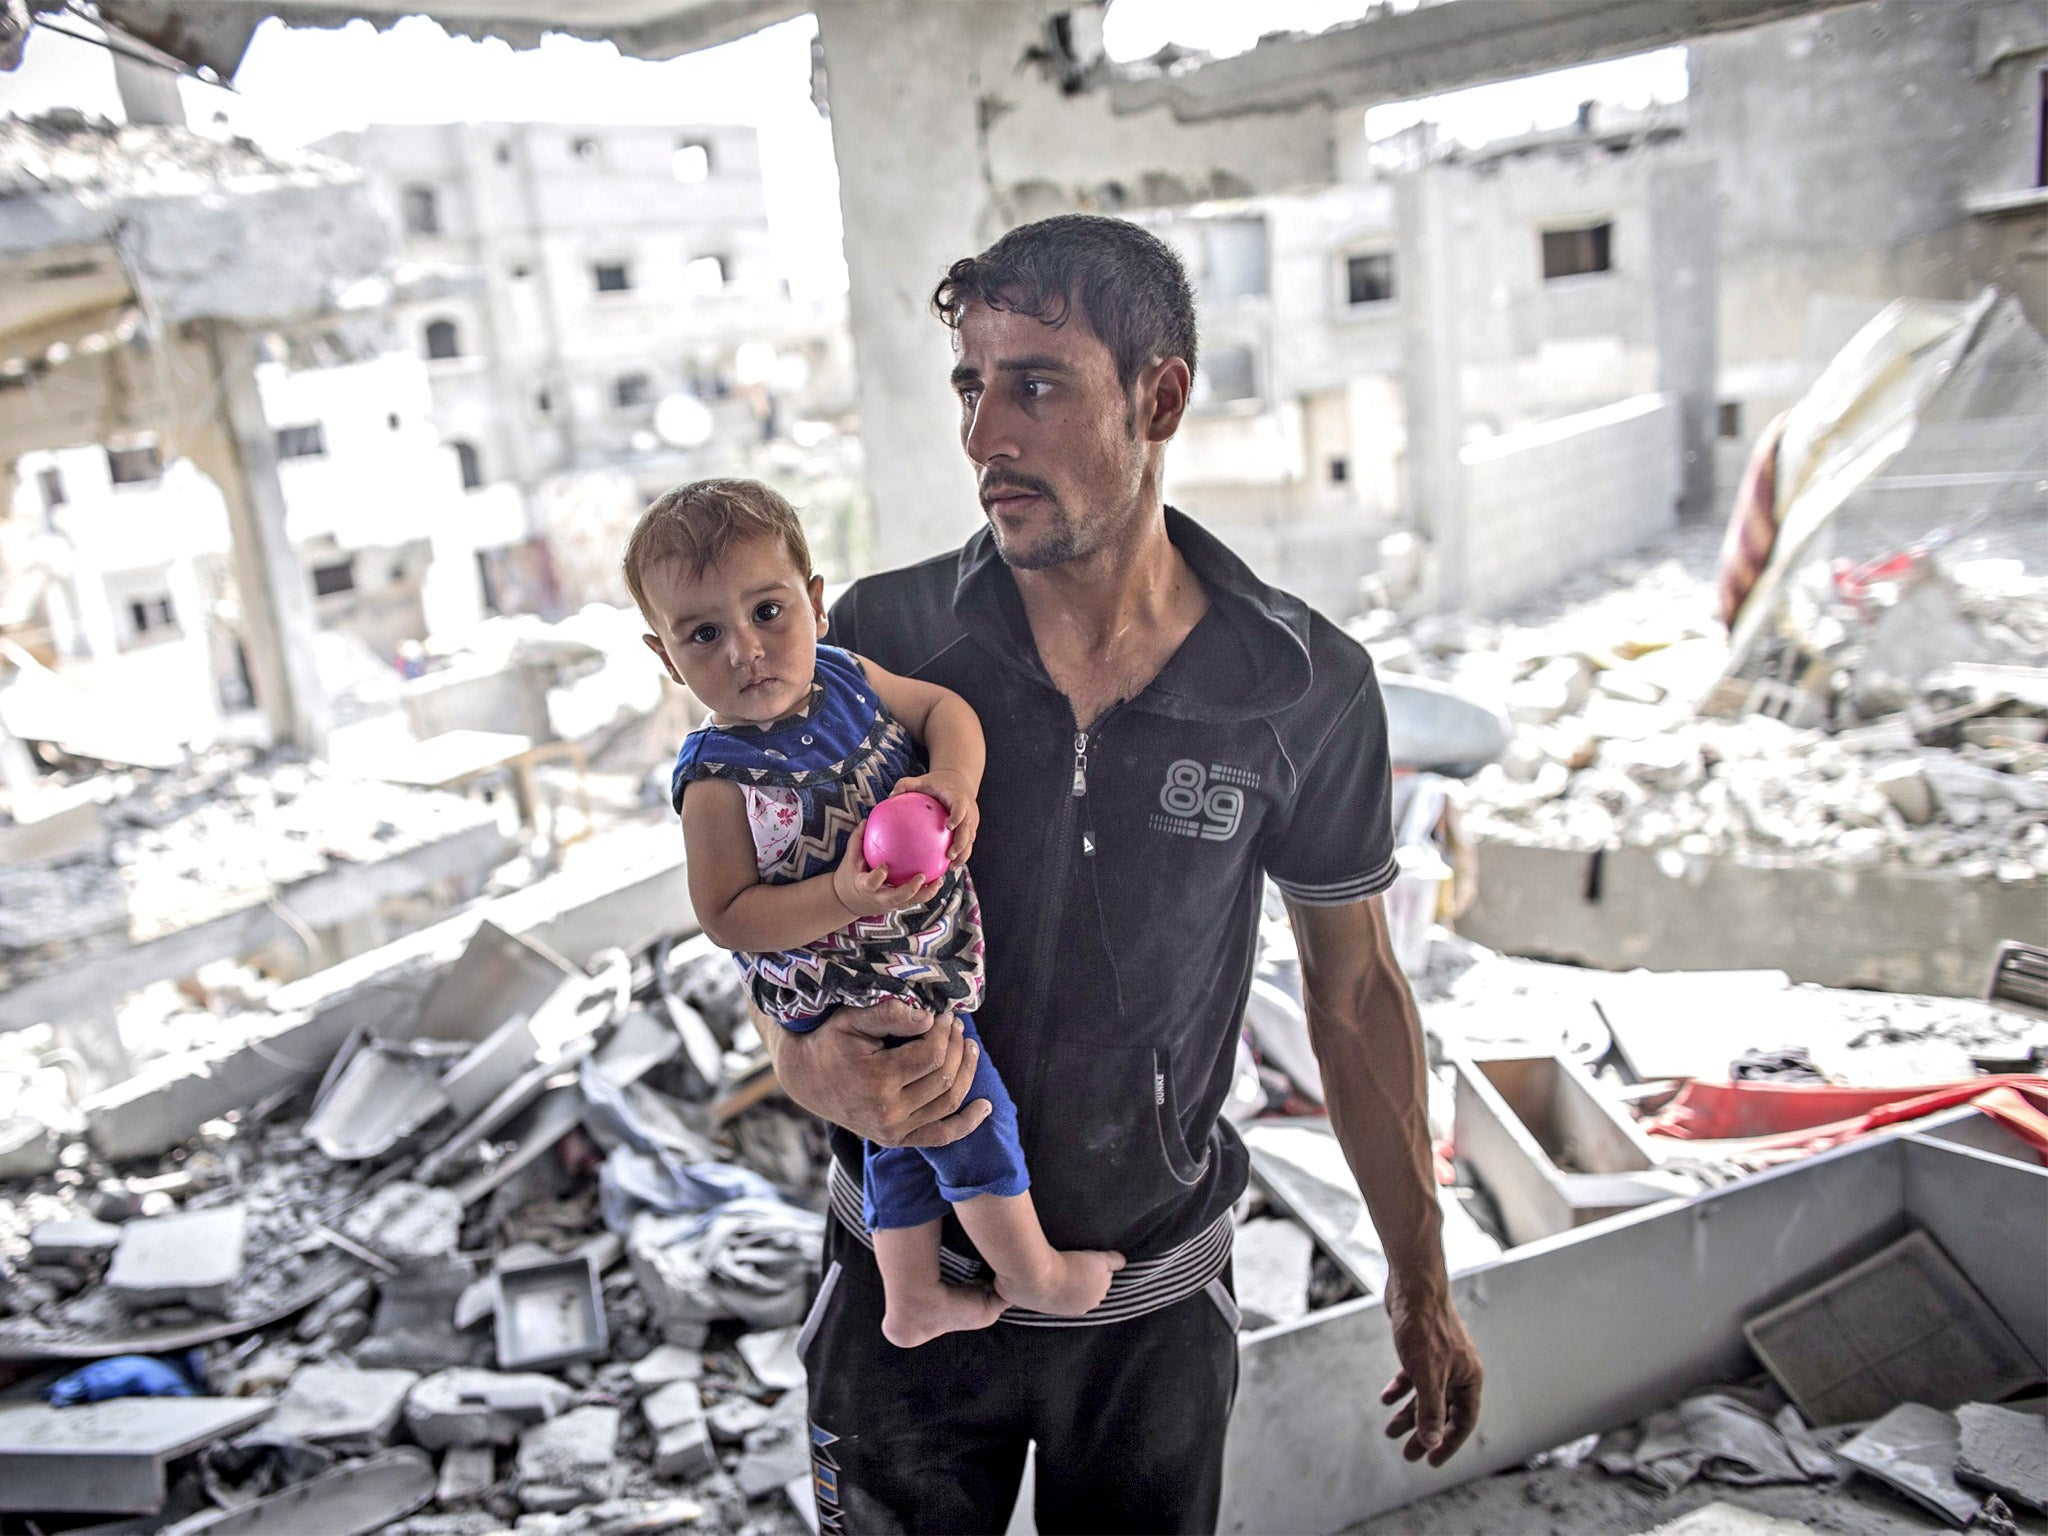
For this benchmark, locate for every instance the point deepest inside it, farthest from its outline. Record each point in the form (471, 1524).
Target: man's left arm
(1368, 1041)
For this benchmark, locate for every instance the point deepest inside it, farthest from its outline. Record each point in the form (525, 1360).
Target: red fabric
(2019, 1101)
(1712, 1111)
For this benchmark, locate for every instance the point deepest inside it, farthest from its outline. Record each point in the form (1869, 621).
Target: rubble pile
(533, 1252)
(163, 850)
(1613, 746)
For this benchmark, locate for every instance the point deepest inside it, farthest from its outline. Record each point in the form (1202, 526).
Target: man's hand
(953, 791)
(908, 1096)
(1439, 1376)
(867, 892)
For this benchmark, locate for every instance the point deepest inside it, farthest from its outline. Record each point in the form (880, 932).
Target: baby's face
(744, 636)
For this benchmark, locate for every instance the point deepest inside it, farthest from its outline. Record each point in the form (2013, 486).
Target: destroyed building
(499, 1220)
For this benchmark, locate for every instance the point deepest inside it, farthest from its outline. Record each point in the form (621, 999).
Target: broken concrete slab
(72, 1242)
(734, 1419)
(1271, 1259)
(383, 1096)
(771, 1355)
(467, 1472)
(351, 1500)
(465, 1406)
(666, 1363)
(409, 1224)
(550, 1313)
(415, 1322)
(573, 1453)
(108, 1457)
(1913, 1449)
(2005, 1452)
(682, 1440)
(775, 1454)
(193, 1258)
(342, 1406)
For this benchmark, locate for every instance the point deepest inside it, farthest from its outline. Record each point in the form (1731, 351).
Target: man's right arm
(911, 1095)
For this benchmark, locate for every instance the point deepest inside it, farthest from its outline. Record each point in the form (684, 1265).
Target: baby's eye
(704, 634)
(768, 613)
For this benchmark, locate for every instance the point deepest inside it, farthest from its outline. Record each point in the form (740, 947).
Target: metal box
(549, 1314)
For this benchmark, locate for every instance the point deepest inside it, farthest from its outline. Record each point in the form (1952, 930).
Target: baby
(774, 792)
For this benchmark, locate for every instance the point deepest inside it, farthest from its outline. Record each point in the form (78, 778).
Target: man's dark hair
(1128, 284)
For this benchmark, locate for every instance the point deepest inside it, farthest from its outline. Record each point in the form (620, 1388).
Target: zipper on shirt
(1082, 744)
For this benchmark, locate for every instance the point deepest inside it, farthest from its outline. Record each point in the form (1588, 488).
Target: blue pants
(909, 1186)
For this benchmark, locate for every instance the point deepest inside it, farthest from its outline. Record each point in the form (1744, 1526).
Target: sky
(296, 86)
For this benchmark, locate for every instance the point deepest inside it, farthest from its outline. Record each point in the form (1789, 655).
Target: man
(1164, 732)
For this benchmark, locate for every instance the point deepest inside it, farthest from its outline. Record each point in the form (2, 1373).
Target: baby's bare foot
(1069, 1285)
(921, 1317)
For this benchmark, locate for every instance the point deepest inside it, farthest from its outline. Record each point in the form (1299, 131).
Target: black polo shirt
(1120, 869)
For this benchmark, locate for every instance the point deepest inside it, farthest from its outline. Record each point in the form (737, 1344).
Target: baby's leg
(1030, 1272)
(919, 1305)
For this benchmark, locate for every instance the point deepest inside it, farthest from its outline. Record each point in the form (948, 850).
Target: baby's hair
(699, 522)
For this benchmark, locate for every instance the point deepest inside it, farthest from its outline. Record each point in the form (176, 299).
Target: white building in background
(136, 561)
(596, 298)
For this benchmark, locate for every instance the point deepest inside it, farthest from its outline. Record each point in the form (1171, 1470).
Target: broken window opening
(442, 340)
(470, 463)
(140, 465)
(302, 442)
(1730, 424)
(337, 577)
(631, 389)
(51, 483)
(612, 277)
(151, 616)
(422, 211)
(1575, 252)
(1340, 469)
(1369, 278)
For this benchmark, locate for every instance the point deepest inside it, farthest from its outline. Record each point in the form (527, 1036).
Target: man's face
(743, 637)
(1057, 444)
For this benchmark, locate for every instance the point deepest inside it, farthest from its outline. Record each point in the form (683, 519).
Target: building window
(151, 615)
(583, 149)
(471, 466)
(338, 577)
(1231, 259)
(1572, 252)
(306, 442)
(134, 466)
(691, 162)
(612, 277)
(1369, 278)
(51, 481)
(1731, 418)
(631, 389)
(1228, 373)
(1340, 469)
(391, 420)
(543, 402)
(422, 211)
(704, 275)
(442, 341)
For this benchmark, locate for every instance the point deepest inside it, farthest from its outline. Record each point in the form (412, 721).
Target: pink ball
(908, 834)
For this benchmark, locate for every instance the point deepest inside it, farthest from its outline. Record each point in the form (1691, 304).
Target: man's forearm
(1368, 1041)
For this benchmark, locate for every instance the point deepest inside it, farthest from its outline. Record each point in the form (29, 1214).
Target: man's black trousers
(1128, 1417)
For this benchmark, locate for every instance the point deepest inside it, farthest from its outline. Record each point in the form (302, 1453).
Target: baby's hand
(962, 814)
(867, 892)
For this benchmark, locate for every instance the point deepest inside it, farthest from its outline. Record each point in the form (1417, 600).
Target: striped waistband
(1142, 1286)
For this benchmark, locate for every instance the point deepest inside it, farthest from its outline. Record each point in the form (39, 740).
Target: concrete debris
(108, 1457)
(734, 1419)
(343, 1407)
(2004, 1452)
(550, 1313)
(777, 1452)
(772, 1357)
(467, 1472)
(191, 1259)
(352, 1500)
(748, 1259)
(1913, 1449)
(1722, 1437)
(415, 1320)
(569, 1460)
(1271, 1264)
(408, 1224)
(78, 1243)
(465, 1407)
(666, 1363)
(682, 1440)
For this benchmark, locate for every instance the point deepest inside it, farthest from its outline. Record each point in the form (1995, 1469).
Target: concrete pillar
(1685, 218)
(1431, 387)
(907, 80)
(276, 597)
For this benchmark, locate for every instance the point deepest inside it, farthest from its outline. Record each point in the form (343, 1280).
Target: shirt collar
(1247, 658)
